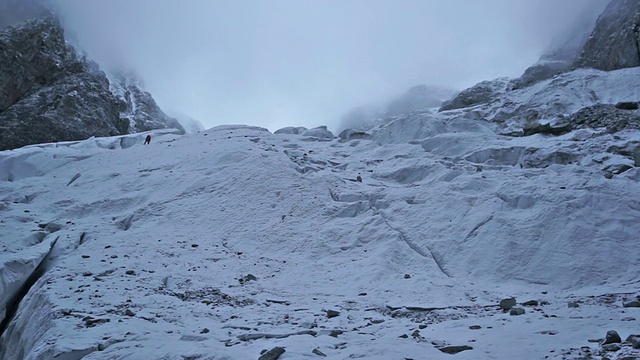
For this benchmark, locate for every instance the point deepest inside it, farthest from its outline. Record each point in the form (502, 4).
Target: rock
(573, 304)
(542, 70)
(332, 313)
(480, 93)
(547, 129)
(130, 272)
(628, 105)
(404, 336)
(530, 303)
(634, 340)
(634, 304)
(128, 312)
(247, 278)
(272, 354)
(455, 349)
(507, 304)
(604, 116)
(612, 338)
(611, 347)
(475, 327)
(548, 332)
(615, 40)
(335, 333)
(517, 311)
(318, 352)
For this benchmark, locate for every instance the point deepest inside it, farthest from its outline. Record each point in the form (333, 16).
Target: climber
(147, 140)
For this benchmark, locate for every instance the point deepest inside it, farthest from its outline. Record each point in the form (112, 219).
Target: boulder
(455, 349)
(634, 340)
(507, 304)
(517, 311)
(612, 338)
(634, 304)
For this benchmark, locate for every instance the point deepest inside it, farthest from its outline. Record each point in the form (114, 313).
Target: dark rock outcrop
(481, 93)
(605, 116)
(49, 93)
(507, 304)
(615, 41)
(612, 338)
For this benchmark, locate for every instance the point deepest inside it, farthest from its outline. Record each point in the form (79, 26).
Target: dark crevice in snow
(14, 302)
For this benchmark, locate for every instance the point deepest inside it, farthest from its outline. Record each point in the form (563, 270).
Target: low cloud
(286, 62)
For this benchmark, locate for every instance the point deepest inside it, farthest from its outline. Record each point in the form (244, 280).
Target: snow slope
(230, 241)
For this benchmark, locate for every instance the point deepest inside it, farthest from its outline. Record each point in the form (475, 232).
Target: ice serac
(49, 93)
(615, 41)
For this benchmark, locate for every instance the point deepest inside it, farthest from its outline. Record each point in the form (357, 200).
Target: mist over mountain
(286, 63)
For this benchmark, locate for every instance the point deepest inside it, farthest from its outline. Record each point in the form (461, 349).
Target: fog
(288, 62)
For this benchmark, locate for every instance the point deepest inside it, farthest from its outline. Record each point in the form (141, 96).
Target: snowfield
(399, 244)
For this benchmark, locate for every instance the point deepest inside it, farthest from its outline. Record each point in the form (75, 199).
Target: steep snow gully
(400, 243)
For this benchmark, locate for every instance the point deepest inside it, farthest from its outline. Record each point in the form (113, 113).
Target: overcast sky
(276, 63)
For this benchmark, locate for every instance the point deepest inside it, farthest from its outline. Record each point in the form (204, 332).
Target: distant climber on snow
(147, 140)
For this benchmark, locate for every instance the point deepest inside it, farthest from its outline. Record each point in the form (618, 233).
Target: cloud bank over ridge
(287, 62)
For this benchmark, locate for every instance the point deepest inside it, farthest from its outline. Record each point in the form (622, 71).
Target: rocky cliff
(615, 41)
(49, 93)
(140, 109)
(613, 44)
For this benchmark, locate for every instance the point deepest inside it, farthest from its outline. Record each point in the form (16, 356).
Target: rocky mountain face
(613, 44)
(615, 41)
(140, 109)
(49, 93)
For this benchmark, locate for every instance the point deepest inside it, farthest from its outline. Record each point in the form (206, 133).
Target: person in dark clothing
(147, 140)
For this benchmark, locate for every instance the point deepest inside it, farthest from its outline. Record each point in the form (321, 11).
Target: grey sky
(306, 62)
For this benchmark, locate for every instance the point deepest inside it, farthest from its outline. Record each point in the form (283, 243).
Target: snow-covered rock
(481, 93)
(615, 41)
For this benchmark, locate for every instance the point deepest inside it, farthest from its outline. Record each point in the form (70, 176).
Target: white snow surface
(156, 243)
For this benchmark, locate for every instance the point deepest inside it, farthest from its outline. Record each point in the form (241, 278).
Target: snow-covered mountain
(235, 240)
(503, 228)
(48, 92)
